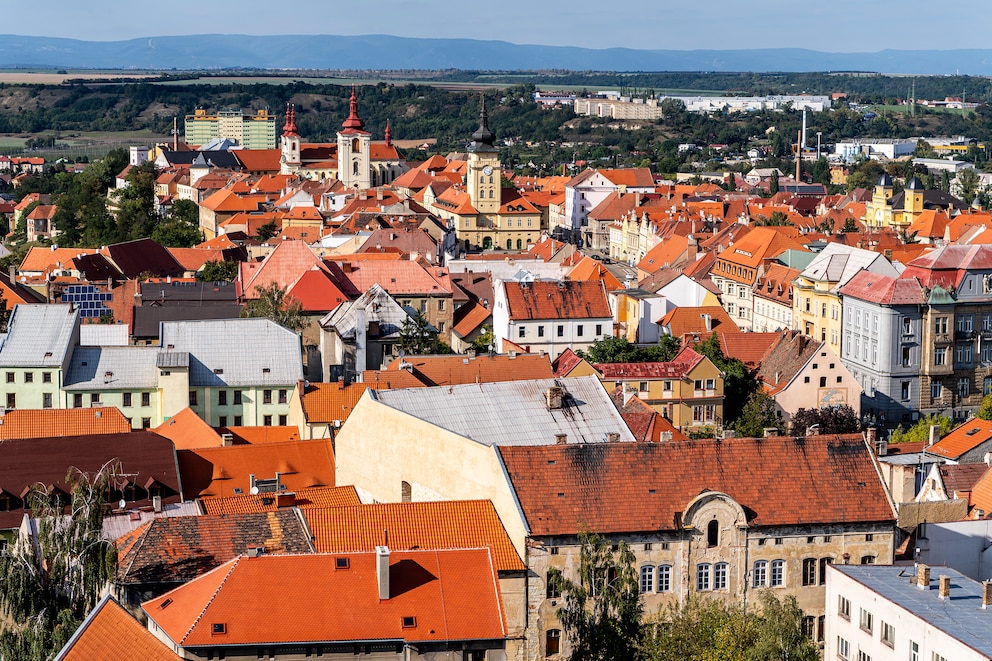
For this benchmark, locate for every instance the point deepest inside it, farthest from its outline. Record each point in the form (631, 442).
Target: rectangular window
(710, 384)
(964, 387)
(10, 377)
(282, 420)
(578, 330)
(146, 399)
(914, 651)
(266, 420)
(720, 576)
(599, 329)
(221, 398)
(94, 398)
(777, 578)
(844, 607)
(561, 330)
(29, 377)
(936, 657)
(647, 578)
(237, 397)
(46, 400)
(936, 389)
(552, 642)
(664, 578)
(866, 621)
(521, 331)
(863, 656)
(77, 400)
(809, 571)
(703, 577)
(760, 574)
(222, 421)
(941, 326)
(907, 326)
(237, 421)
(888, 634)
(11, 400)
(940, 356)
(907, 356)
(905, 391)
(540, 331)
(266, 396)
(283, 395)
(46, 377)
(192, 398)
(843, 648)
(126, 399)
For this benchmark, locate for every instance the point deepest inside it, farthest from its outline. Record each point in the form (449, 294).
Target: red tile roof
(960, 479)
(681, 321)
(109, 629)
(320, 497)
(188, 431)
(44, 423)
(681, 365)
(633, 487)
(446, 524)
(875, 288)
(749, 348)
(962, 439)
(557, 300)
(452, 596)
(484, 368)
(316, 291)
(219, 471)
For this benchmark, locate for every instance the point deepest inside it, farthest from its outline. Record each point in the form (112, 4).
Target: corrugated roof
(479, 411)
(213, 363)
(447, 524)
(38, 335)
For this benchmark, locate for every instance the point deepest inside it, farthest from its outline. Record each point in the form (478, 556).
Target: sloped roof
(112, 368)
(449, 524)
(259, 160)
(399, 277)
(219, 471)
(478, 411)
(963, 438)
(45, 423)
(209, 342)
(961, 478)
(452, 595)
(614, 488)
(749, 348)
(646, 424)
(875, 288)
(110, 627)
(180, 548)
(664, 254)
(786, 357)
(483, 368)
(282, 267)
(143, 256)
(838, 263)
(588, 269)
(319, 497)
(557, 300)
(678, 367)
(469, 317)
(566, 361)
(681, 321)
(38, 335)
(188, 431)
(316, 291)
(981, 493)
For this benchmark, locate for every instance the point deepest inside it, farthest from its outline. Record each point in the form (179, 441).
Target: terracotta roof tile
(981, 494)
(554, 300)
(681, 321)
(749, 348)
(110, 627)
(962, 438)
(258, 600)
(414, 525)
(628, 487)
(180, 548)
(43, 423)
(188, 431)
(320, 497)
(469, 317)
(484, 368)
(588, 269)
(960, 479)
(679, 366)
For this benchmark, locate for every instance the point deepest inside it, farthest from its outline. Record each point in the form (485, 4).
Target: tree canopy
(619, 350)
(739, 382)
(273, 303)
(921, 430)
(830, 420)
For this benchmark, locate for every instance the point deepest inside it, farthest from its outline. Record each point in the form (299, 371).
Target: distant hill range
(211, 51)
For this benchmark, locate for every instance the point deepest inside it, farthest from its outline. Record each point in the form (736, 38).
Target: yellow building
(900, 210)
(688, 391)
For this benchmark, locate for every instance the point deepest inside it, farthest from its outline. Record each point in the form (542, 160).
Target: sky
(831, 26)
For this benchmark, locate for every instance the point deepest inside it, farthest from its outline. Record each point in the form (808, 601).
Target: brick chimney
(986, 594)
(944, 587)
(923, 577)
(561, 439)
(552, 397)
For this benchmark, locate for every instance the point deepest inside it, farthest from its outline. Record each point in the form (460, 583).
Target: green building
(256, 131)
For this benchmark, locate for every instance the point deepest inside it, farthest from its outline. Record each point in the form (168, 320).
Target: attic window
(552, 461)
(972, 432)
(48, 354)
(165, 604)
(219, 370)
(342, 563)
(266, 370)
(409, 621)
(218, 627)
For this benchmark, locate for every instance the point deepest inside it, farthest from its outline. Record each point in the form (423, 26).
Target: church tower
(484, 172)
(354, 150)
(290, 158)
(878, 212)
(913, 202)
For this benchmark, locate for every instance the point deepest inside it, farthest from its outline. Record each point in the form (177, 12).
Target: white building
(885, 612)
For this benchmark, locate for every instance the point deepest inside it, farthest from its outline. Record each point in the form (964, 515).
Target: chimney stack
(986, 594)
(561, 439)
(934, 434)
(382, 571)
(944, 587)
(552, 397)
(613, 437)
(923, 577)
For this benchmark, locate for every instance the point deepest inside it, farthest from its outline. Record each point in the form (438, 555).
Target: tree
(757, 415)
(273, 303)
(921, 430)
(738, 381)
(773, 184)
(620, 350)
(214, 271)
(181, 228)
(849, 226)
(417, 336)
(136, 216)
(47, 587)
(985, 410)
(267, 231)
(831, 420)
(968, 184)
(486, 341)
(602, 609)
(777, 219)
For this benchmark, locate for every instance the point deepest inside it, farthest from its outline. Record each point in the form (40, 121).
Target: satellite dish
(123, 503)
(254, 491)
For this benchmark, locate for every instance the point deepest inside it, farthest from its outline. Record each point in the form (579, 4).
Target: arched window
(406, 492)
(492, 194)
(760, 574)
(356, 145)
(809, 571)
(509, 244)
(713, 533)
(354, 168)
(647, 578)
(520, 244)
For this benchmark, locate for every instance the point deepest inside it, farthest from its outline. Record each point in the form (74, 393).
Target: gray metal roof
(377, 305)
(112, 368)
(961, 616)
(236, 352)
(38, 335)
(104, 335)
(513, 412)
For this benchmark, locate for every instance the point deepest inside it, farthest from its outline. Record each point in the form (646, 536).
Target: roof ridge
(136, 547)
(220, 586)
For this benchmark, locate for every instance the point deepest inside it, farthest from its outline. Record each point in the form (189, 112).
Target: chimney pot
(923, 577)
(382, 571)
(944, 587)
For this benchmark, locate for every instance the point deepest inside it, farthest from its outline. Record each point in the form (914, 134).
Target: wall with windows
(142, 407)
(251, 406)
(31, 387)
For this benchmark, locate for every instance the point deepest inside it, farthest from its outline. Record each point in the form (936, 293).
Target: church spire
(354, 121)
(483, 135)
(389, 135)
(289, 129)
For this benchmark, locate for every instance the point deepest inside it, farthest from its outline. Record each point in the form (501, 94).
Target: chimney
(934, 434)
(340, 383)
(157, 504)
(770, 431)
(613, 437)
(13, 273)
(944, 589)
(552, 398)
(286, 499)
(227, 438)
(382, 571)
(561, 439)
(986, 594)
(346, 267)
(923, 576)
(708, 321)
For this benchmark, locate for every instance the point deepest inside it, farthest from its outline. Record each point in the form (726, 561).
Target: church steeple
(482, 139)
(289, 129)
(389, 135)
(354, 122)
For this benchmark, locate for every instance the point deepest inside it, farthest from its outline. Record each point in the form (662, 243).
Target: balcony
(939, 337)
(963, 335)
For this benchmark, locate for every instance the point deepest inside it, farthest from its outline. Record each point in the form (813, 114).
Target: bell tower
(484, 171)
(354, 150)
(290, 158)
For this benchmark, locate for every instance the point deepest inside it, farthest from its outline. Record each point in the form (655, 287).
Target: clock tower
(484, 175)
(354, 149)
